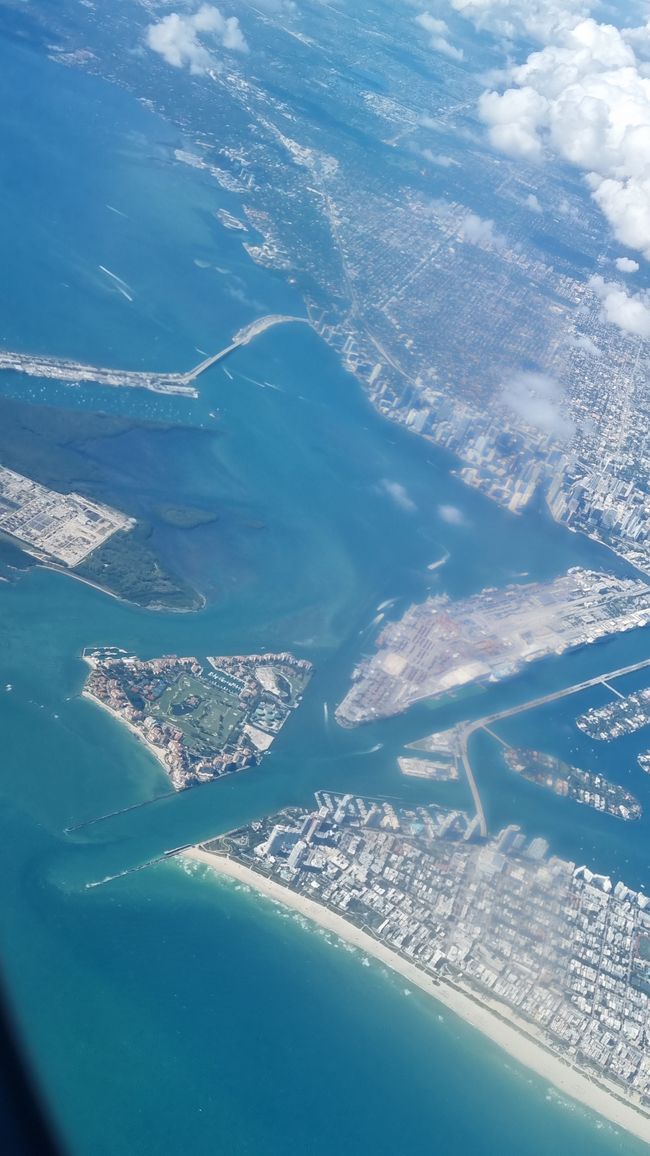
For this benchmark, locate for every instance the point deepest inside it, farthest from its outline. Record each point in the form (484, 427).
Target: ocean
(166, 1011)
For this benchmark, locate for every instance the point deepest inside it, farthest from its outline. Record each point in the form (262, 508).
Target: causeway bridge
(63, 369)
(242, 337)
(466, 730)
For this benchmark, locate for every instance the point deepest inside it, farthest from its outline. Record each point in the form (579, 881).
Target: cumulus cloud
(479, 231)
(440, 159)
(586, 97)
(180, 40)
(626, 265)
(452, 515)
(514, 118)
(438, 35)
(537, 19)
(533, 203)
(587, 345)
(629, 311)
(398, 493)
(538, 399)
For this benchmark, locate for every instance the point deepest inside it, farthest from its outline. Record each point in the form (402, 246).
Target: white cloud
(626, 265)
(533, 204)
(586, 97)
(629, 311)
(478, 231)
(514, 118)
(587, 345)
(452, 515)
(438, 35)
(180, 39)
(538, 399)
(538, 19)
(277, 7)
(626, 204)
(440, 159)
(398, 493)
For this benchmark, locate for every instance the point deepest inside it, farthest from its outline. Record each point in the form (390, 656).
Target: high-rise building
(507, 838)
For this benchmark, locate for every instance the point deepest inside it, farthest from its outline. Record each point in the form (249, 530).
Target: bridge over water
(63, 369)
(241, 338)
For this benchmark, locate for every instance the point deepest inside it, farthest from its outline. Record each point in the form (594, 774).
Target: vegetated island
(50, 513)
(200, 720)
(90, 541)
(185, 517)
(440, 646)
(593, 790)
(546, 958)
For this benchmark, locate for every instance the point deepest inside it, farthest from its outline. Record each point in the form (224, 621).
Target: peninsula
(200, 720)
(546, 958)
(440, 646)
(182, 384)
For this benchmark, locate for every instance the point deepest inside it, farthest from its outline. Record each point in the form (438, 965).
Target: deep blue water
(166, 1012)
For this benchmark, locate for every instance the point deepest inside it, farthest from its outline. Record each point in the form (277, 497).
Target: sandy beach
(519, 1039)
(157, 752)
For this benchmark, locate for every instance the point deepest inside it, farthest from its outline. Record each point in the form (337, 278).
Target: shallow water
(166, 1011)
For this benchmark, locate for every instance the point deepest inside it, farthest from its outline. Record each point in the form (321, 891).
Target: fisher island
(200, 719)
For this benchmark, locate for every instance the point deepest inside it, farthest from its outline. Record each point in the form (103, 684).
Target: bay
(164, 1011)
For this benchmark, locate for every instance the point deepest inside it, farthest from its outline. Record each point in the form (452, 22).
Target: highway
(463, 737)
(241, 338)
(466, 730)
(35, 365)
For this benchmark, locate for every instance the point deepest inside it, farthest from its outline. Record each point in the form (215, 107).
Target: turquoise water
(166, 1012)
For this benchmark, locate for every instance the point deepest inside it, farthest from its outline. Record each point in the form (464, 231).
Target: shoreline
(153, 750)
(520, 1040)
(153, 609)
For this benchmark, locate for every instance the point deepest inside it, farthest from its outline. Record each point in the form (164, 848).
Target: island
(624, 716)
(51, 487)
(547, 958)
(440, 647)
(434, 769)
(90, 541)
(444, 752)
(53, 526)
(200, 720)
(184, 517)
(584, 787)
